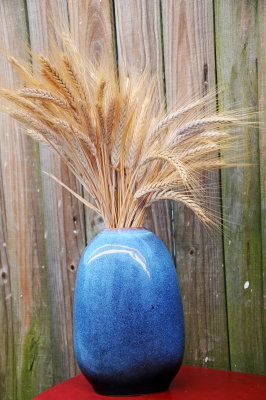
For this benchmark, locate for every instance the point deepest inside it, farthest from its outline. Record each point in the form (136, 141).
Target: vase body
(128, 317)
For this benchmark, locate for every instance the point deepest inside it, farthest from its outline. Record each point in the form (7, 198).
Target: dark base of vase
(135, 390)
(152, 381)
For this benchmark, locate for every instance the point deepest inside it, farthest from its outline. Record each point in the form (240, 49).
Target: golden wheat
(120, 144)
(44, 95)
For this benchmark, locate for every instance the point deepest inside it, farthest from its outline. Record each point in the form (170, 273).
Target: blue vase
(128, 317)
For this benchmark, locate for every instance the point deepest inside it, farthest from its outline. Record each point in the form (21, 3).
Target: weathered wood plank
(190, 71)
(91, 29)
(262, 141)
(25, 365)
(139, 46)
(8, 381)
(90, 26)
(64, 215)
(236, 48)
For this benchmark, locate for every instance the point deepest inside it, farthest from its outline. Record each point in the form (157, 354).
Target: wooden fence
(193, 45)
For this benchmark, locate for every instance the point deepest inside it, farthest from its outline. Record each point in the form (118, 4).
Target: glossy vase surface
(128, 317)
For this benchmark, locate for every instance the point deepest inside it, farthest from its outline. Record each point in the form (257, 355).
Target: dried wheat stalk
(108, 130)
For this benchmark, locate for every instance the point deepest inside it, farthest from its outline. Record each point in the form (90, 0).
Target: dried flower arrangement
(108, 130)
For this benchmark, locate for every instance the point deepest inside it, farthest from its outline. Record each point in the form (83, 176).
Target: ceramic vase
(128, 317)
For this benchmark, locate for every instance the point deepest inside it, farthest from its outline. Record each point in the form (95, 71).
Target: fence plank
(91, 29)
(262, 109)
(64, 215)
(189, 71)
(25, 365)
(139, 46)
(236, 44)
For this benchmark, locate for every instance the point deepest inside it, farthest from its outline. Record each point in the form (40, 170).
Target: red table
(191, 383)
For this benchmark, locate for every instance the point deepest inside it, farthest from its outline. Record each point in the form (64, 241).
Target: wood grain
(236, 49)
(190, 71)
(63, 214)
(25, 365)
(138, 35)
(91, 28)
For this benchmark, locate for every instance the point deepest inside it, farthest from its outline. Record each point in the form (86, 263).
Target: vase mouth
(124, 229)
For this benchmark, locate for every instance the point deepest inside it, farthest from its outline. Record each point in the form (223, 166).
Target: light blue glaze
(128, 318)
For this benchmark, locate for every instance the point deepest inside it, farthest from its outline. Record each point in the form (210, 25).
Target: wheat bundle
(108, 130)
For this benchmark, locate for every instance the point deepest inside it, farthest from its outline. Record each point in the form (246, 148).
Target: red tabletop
(191, 383)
